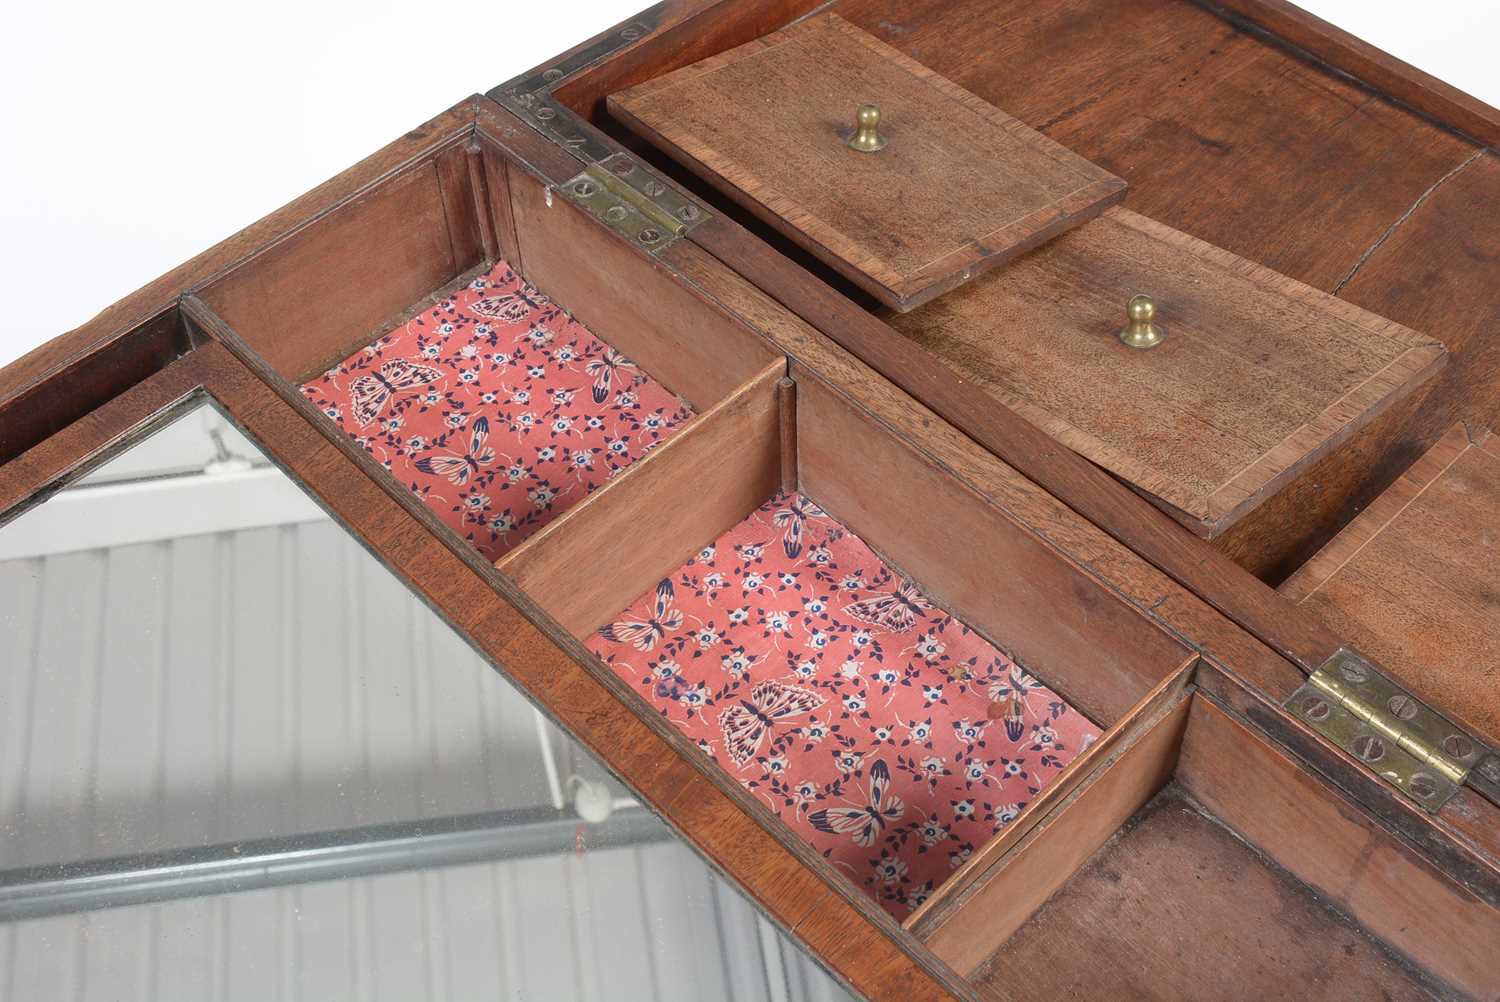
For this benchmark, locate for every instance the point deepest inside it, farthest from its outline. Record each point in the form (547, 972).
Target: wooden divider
(948, 899)
(696, 350)
(604, 552)
(1049, 855)
(309, 299)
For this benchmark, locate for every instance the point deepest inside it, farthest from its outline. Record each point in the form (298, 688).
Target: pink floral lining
(885, 732)
(498, 409)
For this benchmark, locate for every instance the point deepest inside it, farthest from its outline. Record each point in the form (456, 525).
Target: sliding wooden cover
(960, 186)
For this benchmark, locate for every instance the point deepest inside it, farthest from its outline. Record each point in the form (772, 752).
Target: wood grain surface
(1225, 134)
(1310, 36)
(336, 279)
(1175, 907)
(948, 901)
(1414, 581)
(1272, 801)
(681, 495)
(1095, 651)
(1219, 133)
(1436, 272)
(960, 187)
(1258, 375)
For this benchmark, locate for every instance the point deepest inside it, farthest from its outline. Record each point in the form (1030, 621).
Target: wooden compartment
(994, 623)
(1414, 581)
(1316, 894)
(1200, 862)
(501, 393)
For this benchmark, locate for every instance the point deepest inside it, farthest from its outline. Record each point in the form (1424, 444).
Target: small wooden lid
(1255, 377)
(956, 187)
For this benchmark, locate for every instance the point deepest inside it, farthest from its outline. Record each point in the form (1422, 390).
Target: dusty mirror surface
(239, 759)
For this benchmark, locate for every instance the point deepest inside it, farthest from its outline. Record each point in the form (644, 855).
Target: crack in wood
(1422, 198)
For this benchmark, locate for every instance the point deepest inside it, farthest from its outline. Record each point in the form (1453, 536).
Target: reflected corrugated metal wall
(642, 923)
(278, 681)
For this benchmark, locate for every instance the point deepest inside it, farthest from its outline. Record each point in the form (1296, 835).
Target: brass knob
(867, 138)
(1141, 331)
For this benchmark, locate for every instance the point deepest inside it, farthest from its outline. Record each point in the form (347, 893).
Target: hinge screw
(1316, 709)
(1403, 706)
(1368, 747)
(1353, 672)
(1458, 746)
(1423, 786)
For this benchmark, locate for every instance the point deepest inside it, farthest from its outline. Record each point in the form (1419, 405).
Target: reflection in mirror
(239, 759)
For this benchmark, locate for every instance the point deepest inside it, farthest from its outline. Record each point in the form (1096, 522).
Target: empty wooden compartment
(1201, 862)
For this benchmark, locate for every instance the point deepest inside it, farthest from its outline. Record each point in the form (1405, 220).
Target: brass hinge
(634, 202)
(1415, 748)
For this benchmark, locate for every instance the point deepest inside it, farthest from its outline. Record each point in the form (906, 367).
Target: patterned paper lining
(498, 409)
(887, 734)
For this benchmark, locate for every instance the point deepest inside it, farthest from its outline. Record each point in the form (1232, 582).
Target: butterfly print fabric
(885, 732)
(497, 408)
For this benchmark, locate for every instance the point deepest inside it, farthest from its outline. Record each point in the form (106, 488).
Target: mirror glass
(240, 760)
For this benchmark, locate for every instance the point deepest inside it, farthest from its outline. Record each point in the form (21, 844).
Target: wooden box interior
(350, 275)
(755, 431)
(762, 425)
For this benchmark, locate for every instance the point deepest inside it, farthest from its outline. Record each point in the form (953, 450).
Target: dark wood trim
(94, 377)
(1331, 47)
(693, 30)
(33, 476)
